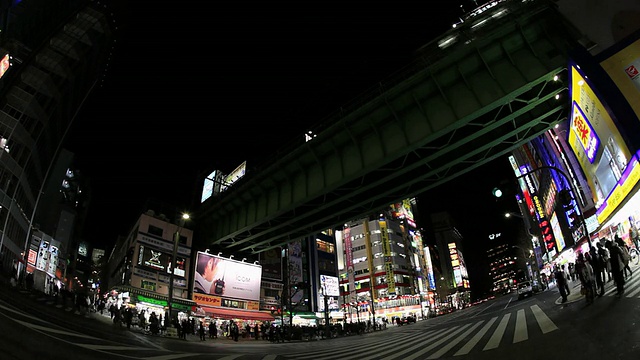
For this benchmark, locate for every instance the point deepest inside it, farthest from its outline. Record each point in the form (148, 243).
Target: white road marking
(443, 350)
(469, 345)
(494, 341)
(521, 333)
(55, 331)
(546, 325)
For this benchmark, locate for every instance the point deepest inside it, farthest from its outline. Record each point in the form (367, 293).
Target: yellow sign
(203, 299)
(620, 191)
(253, 305)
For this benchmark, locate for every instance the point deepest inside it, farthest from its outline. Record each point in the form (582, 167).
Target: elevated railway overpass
(482, 89)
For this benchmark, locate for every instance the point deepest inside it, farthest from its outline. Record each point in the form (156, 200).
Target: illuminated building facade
(139, 265)
(447, 242)
(383, 264)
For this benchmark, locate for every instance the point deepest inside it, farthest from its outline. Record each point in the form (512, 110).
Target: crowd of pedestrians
(607, 261)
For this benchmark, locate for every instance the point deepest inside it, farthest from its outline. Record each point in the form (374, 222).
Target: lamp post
(176, 240)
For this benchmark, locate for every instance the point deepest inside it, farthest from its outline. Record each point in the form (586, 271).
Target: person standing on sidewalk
(598, 264)
(201, 331)
(617, 266)
(584, 272)
(561, 282)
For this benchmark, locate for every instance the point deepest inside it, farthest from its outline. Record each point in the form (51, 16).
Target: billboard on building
(236, 174)
(157, 260)
(226, 278)
(208, 186)
(271, 261)
(623, 68)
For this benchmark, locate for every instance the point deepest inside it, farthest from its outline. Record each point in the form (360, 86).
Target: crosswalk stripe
(634, 292)
(471, 343)
(55, 331)
(110, 347)
(443, 350)
(21, 313)
(170, 356)
(351, 349)
(521, 333)
(494, 341)
(397, 340)
(546, 325)
(419, 353)
(412, 348)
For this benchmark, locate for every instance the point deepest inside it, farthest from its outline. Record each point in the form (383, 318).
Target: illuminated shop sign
(584, 132)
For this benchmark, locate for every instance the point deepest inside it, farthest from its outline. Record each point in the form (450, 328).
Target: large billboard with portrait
(218, 276)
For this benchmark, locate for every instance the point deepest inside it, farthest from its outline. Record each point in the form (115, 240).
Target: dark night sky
(197, 87)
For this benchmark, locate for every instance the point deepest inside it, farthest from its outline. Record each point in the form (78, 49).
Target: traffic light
(496, 192)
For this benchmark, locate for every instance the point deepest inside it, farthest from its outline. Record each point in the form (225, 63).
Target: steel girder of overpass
(456, 112)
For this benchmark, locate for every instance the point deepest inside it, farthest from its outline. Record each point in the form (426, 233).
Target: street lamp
(176, 240)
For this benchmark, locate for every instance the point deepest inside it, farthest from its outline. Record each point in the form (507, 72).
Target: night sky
(203, 86)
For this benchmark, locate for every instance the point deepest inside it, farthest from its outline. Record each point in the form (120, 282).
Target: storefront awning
(237, 314)
(137, 293)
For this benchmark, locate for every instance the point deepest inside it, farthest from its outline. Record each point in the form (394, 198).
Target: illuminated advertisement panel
(158, 260)
(430, 276)
(624, 186)
(557, 232)
(584, 132)
(591, 120)
(236, 174)
(207, 187)
(330, 287)
(5, 63)
(226, 278)
(623, 68)
(455, 264)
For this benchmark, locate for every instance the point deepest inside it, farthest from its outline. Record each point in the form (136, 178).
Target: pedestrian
(634, 234)
(617, 266)
(212, 329)
(201, 331)
(625, 255)
(584, 272)
(561, 282)
(598, 264)
(606, 254)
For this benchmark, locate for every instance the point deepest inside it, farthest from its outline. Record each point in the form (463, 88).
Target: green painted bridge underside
(445, 118)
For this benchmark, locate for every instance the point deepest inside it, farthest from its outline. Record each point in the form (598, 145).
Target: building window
(154, 230)
(325, 246)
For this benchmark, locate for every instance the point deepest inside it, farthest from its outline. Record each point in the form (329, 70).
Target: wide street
(539, 327)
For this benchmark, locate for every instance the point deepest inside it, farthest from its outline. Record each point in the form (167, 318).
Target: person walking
(617, 265)
(625, 256)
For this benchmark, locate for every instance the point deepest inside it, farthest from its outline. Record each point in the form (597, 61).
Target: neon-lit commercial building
(384, 264)
(139, 267)
(596, 147)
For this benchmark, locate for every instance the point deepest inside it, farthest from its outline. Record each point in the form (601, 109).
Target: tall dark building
(52, 56)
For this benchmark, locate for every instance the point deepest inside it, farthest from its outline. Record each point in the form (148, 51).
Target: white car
(524, 289)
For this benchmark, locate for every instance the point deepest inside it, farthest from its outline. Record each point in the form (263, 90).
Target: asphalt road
(537, 327)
